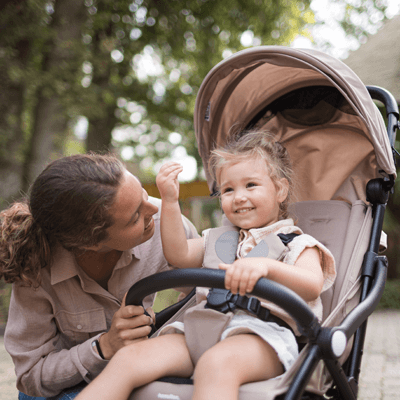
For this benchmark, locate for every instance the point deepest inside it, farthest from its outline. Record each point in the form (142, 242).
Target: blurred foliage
(137, 67)
(134, 72)
(164, 299)
(391, 295)
(5, 294)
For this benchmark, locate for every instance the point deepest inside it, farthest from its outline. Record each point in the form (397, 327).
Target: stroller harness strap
(223, 300)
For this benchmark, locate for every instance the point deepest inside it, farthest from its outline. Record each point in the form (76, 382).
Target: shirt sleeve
(43, 364)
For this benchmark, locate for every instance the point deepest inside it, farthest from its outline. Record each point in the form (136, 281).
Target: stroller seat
(343, 161)
(336, 224)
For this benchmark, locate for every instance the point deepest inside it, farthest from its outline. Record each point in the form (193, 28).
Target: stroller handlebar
(285, 298)
(391, 107)
(385, 97)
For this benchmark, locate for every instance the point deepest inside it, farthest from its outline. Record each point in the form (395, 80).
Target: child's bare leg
(138, 364)
(232, 362)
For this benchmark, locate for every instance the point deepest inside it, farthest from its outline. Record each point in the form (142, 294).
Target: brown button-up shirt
(50, 329)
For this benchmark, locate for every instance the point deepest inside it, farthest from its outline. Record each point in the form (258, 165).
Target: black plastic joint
(253, 305)
(332, 343)
(378, 191)
(383, 261)
(369, 264)
(324, 343)
(311, 331)
(219, 299)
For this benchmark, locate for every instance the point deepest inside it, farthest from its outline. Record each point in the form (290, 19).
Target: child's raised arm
(178, 250)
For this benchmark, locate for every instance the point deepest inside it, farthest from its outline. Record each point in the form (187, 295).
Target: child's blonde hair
(257, 145)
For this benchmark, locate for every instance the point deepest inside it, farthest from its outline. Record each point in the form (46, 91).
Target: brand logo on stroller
(168, 396)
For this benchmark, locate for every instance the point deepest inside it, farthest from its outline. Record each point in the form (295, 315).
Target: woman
(87, 233)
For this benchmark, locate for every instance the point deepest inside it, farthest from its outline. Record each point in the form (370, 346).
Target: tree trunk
(11, 106)
(50, 116)
(99, 132)
(101, 121)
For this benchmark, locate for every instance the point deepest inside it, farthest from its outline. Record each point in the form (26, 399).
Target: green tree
(131, 68)
(179, 43)
(133, 65)
(39, 62)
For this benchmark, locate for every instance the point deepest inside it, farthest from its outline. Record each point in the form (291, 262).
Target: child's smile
(249, 197)
(243, 210)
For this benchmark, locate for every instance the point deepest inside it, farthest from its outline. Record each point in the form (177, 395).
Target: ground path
(380, 370)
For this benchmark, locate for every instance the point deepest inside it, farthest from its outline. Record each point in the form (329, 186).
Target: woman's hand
(129, 324)
(167, 181)
(243, 274)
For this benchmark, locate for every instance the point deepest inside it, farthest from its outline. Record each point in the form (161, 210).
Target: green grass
(164, 299)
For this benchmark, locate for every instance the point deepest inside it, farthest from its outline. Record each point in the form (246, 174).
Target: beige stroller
(344, 164)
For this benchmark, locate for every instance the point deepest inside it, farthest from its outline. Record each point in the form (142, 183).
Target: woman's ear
(283, 190)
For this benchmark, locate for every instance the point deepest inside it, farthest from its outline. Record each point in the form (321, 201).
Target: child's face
(249, 197)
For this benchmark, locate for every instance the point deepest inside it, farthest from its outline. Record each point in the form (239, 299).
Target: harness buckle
(253, 305)
(219, 300)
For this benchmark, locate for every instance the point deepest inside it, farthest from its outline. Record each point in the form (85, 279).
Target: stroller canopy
(313, 103)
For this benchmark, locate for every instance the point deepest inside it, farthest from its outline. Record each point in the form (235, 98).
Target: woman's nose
(151, 209)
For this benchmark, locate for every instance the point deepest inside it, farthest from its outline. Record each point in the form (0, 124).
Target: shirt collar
(259, 233)
(65, 266)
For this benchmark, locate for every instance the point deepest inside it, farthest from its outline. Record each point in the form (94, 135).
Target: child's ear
(283, 190)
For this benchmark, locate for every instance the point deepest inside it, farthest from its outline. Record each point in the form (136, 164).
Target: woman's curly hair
(69, 204)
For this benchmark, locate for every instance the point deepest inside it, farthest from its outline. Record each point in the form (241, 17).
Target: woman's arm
(43, 341)
(179, 251)
(305, 277)
(43, 364)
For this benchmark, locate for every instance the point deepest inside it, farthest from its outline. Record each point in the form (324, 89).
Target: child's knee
(216, 361)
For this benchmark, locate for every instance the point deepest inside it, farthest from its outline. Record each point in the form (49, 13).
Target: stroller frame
(327, 343)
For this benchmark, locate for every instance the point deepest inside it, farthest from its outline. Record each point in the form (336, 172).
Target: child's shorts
(281, 339)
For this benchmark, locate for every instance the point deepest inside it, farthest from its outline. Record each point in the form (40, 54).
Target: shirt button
(79, 326)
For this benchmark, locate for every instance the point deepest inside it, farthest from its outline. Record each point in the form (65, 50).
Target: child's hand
(167, 181)
(243, 274)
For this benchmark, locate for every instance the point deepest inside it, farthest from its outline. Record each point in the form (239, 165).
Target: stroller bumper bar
(326, 344)
(292, 303)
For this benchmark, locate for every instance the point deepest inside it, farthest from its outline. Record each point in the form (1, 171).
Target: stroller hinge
(369, 264)
(378, 190)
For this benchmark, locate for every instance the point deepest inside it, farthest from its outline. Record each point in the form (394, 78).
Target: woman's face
(132, 215)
